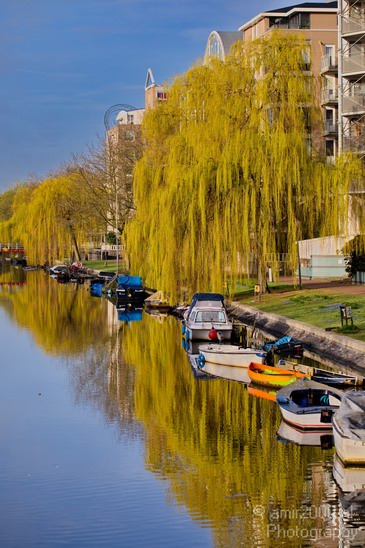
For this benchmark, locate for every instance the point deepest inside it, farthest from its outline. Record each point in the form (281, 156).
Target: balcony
(354, 144)
(330, 127)
(329, 95)
(353, 26)
(353, 105)
(353, 64)
(329, 64)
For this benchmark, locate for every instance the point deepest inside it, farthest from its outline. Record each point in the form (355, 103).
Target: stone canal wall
(343, 353)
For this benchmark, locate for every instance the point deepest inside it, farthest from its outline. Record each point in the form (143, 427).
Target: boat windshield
(213, 316)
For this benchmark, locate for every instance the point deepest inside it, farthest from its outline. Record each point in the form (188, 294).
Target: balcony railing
(330, 127)
(353, 63)
(329, 95)
(328, 63)
(354, 104)
(350, 26)
(354, 143)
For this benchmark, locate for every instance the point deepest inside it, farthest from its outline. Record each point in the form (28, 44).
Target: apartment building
(317, 23)
(352, 75)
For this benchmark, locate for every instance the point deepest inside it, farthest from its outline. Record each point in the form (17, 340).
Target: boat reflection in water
(350, 481)
(128, 313)
(315, 438)
(263, 392)
(192, 350)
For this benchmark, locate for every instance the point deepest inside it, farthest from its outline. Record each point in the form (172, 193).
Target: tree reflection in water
(213, 443)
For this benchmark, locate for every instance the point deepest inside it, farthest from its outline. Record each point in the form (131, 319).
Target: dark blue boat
(130, 288)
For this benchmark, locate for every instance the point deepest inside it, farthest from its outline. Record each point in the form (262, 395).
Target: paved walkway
(344, 286)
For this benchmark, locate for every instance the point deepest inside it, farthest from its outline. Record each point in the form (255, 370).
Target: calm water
(109, 439)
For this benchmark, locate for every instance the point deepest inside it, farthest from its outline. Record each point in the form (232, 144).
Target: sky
(64, 63)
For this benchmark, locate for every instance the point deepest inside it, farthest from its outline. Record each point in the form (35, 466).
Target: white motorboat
(349, 428)
(308, 404)
(207, 319)
(238, 374)
(229, 354)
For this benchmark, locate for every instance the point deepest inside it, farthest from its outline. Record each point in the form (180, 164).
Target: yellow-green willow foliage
(227, 177)
(215, 444)
(51, 219)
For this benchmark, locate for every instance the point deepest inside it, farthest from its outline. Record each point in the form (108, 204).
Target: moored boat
(238, 374)
(156, 301)
(130, 288)
(286, 346)
(308, 404)
(274, 377)
(207, 319)
(229, 354)
(349, 428)
(334, 378)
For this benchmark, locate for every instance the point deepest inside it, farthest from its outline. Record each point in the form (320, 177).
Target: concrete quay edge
(306, 327)
(336, 349)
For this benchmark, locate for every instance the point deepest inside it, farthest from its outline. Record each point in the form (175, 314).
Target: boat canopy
(351, 415)
(206, 299)
(133, 282)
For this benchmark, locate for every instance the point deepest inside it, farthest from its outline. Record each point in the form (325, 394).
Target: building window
(130, 119)
(306, 54)
(330, 149)
(161, 96)
(296, 21)
(215, 47)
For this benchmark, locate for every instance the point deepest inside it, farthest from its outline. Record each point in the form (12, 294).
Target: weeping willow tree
(51, 219)
(227, 177)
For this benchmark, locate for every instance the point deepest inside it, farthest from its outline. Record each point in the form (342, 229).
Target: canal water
(109, 437)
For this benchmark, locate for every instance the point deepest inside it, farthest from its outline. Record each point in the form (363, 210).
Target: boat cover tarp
(281, 343)
(351, 415)
(133, 282)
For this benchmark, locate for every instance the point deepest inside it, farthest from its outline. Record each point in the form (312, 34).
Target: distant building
(219, 44)
(154, 93)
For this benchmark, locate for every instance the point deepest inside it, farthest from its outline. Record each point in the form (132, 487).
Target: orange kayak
(274, 377)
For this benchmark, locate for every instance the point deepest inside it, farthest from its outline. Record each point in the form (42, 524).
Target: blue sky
(63, 63)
